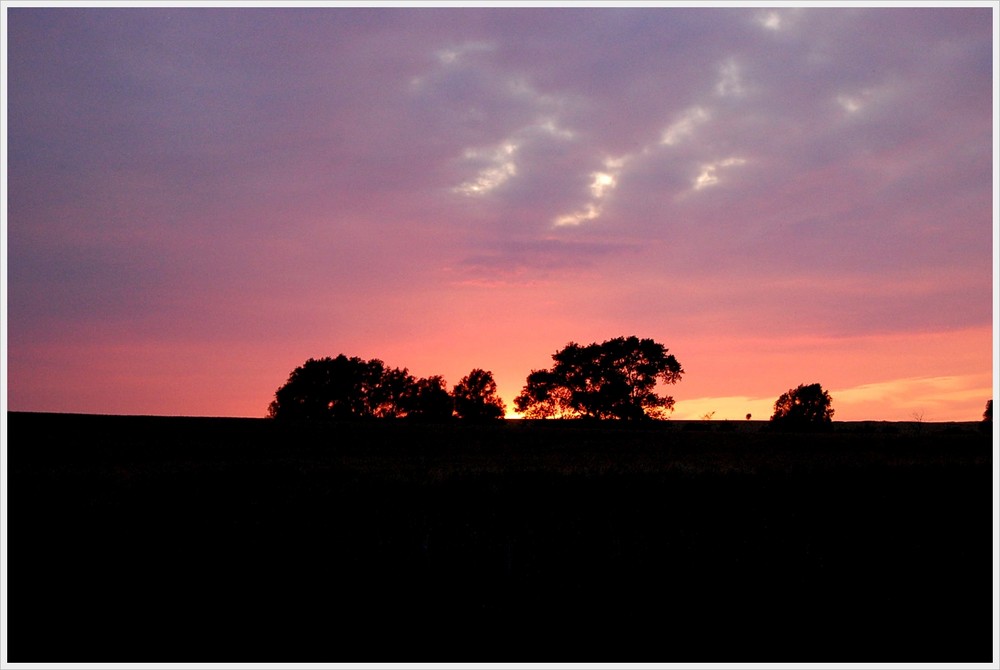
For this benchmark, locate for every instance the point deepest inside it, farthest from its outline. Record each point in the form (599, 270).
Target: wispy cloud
(923, 398)
(500, 165)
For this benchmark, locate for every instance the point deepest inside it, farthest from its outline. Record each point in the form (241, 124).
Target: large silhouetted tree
(476, 397)
(614, 379)
(342, 388)
(806, 406)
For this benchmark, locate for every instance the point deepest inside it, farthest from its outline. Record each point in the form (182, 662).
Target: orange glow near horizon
(868, 378)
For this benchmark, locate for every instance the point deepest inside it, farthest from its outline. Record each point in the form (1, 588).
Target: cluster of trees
(616, 379)
(352, 388)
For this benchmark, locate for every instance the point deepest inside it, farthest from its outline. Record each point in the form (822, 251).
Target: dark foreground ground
(137, 539)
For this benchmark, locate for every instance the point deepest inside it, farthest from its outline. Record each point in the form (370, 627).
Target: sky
(199, 199)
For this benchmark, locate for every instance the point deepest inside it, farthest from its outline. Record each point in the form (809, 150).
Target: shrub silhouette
(806, 406)
(614, 379)
(988, 412)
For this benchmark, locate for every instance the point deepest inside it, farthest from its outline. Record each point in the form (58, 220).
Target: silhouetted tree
(806, 406)
(476, 397)
(341, 388)
(614, 379)
(429, 400)
(988, 414)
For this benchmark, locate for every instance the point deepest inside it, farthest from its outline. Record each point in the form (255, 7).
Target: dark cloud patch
(538, 259)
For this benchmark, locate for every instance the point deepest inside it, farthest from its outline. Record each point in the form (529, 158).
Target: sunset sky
(200, 199)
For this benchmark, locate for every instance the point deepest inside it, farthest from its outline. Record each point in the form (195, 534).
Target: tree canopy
(342, 388)
(353, 388)
(807, 405)
(614, 379)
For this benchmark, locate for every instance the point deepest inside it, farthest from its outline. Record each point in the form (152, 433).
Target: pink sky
(201, 199)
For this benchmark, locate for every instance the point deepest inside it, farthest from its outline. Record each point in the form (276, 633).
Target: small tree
(476, 397)
(614, 379)
(806, 406)
(988, 413)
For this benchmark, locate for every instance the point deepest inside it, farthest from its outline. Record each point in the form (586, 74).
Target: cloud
(730, 82)
(601, 186)
(500, 166)
(529, 261)
(709, 172)
(452, 55)
(771, 20)
(683, 128)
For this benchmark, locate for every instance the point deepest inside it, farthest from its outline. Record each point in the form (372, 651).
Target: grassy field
(146, 539)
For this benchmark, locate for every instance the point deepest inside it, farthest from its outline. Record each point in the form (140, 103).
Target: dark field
(139, 539)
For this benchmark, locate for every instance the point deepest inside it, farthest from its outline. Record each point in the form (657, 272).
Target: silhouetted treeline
(353, 388)
(615, 379)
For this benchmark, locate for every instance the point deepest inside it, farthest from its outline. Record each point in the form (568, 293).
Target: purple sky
(199, 199)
